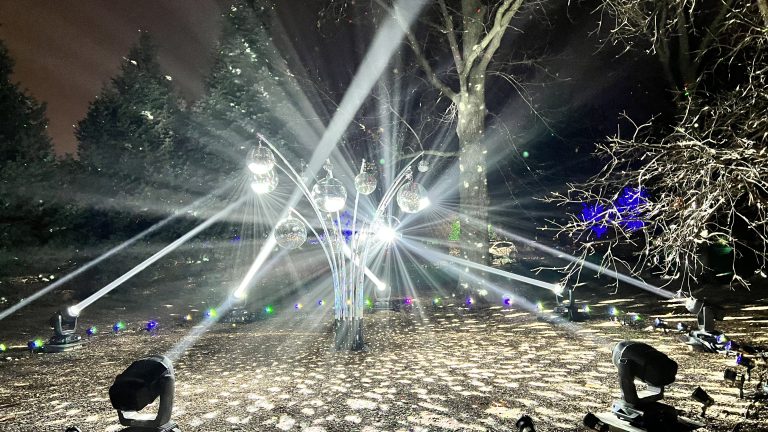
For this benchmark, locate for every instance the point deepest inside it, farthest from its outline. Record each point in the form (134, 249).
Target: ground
(431, 368)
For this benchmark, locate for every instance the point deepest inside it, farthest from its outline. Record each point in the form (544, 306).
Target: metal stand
(706, 337)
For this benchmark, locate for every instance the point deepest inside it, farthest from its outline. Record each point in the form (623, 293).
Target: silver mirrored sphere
(260, 160)
(290, 233)
(329, 194)
(365, 183)
(264, 183)
(412, 197)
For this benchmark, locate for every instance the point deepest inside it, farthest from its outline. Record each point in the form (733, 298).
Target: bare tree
(470, 32)
(667, 192)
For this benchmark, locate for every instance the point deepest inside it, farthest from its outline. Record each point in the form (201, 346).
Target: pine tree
(23, 134)
(247, 92)
(129, 139)
(26, 163)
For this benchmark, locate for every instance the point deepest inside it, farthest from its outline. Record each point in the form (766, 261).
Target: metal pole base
(349, 335)
(168, 427)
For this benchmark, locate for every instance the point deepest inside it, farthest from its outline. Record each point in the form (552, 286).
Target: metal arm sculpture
(327, 198)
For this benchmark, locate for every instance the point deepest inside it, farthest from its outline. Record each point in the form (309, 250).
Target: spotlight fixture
(736, 379)
(141, 384)
(64, 323)
(525, 424)
(591, 421)
(702, 397)
(571, 309)
(659, 323)
(642, 409)
(705, 337)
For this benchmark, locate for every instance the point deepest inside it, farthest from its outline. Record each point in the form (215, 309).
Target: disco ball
(290, 233)
(329, 194)
(412, 197)
(260, 160)
(264, 183)
(365, 183)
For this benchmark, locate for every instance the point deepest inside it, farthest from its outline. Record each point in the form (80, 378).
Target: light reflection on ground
(440, 369)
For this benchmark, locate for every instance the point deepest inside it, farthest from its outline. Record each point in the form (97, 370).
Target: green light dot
(3, 347)
(526, 154)
(381, 161)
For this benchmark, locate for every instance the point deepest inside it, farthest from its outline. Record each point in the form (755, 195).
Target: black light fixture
(64, 323)
(735, 378)
(525, 424)
(642, 409)
(593, 422)
(138, 386)
(702, 397)
(705, 337)
(571, 309)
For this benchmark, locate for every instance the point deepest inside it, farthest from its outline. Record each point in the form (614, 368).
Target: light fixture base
(169, 427)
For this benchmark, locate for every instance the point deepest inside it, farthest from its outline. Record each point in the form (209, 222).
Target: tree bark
(473, 184)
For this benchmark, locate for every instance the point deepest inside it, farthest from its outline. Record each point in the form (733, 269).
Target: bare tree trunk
(473, 187)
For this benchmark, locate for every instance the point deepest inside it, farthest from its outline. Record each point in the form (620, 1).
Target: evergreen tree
(129, 139)
(23, 135)
(247, 92)
(26, 164)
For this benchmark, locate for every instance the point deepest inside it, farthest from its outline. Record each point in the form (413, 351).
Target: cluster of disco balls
(328, 193)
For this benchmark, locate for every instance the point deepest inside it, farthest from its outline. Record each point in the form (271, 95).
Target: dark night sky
(66, 50)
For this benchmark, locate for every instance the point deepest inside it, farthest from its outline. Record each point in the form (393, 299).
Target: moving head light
(138, 386)
(642, 409)
(64, 323)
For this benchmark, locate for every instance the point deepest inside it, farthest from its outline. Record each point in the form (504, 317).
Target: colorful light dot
(188, 317)
(119, 326)
(268, 309)
(587, 309)
(540, 306)
(92, 331)
(297, 306)
(613, 311)
(408, 301)
(721, 339)
(435, 301)
(211, 313)
(469, 301)
(320, 302)
(368, 302)
(507, 301)
(35, 344)
(526, 154)
(151, 325)
(381, 161)
(3, 347)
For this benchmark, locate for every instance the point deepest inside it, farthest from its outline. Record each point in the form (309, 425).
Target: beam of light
(380, 285)
(592, 266)
(149, 261)
(387, 40)
(434, 255)
(266, 249)
(13, 309)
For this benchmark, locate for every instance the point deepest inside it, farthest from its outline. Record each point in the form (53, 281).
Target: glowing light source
(260, 160)
(386, 233)
(368, 302)
(540, 306)
(151, 326)
(436, 301)
(268, 309)
(290, 233)
(558, 289)
(507, 301)
(264, 183)
(92, 331)
(365, 183)
(469, 301)
(423, 166)
(320, 302)
(613, 311)
(211, 313)
(35, 345)
(408, 301)
(3, 347)
(188, 317)
(118, 327)
(412, 197)
(329, 194)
